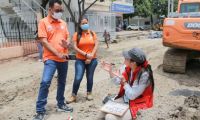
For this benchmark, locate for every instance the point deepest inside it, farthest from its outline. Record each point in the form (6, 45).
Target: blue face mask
(85, 27)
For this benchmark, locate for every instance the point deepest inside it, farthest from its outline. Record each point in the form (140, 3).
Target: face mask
(85, 27)
(57, 15)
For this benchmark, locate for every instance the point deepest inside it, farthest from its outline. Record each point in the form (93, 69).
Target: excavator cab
(188, 6)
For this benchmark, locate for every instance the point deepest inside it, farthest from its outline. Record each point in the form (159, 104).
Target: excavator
(181, 33)
(158, 26)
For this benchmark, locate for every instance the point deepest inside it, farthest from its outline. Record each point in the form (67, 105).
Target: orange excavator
(181, 32)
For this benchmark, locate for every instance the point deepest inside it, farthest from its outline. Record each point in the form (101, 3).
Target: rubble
(189, 111)
(155, 34)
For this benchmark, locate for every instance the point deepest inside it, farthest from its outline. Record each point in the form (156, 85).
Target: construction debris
(189, 111)
(155, 34)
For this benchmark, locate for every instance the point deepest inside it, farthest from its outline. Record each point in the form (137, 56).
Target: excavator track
(175, 60)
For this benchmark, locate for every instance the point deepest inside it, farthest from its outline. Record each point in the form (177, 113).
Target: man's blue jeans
(50, 67)
(80, 68)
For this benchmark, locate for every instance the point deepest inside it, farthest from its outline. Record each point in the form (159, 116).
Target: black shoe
(64, 108)
(39, 116)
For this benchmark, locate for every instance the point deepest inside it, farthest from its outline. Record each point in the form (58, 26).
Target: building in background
(99, 15)
(19, 20)
(102, 16)
(18, 27)
(121, 7)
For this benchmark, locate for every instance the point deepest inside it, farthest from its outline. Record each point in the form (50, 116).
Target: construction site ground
(176, 96)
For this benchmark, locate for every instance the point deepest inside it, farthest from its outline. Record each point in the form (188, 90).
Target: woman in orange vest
(85, 44)
(137, 84)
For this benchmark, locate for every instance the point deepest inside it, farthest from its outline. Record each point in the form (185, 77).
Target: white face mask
(57, 15)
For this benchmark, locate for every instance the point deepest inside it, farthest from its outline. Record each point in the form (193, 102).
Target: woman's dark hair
(149, 70)
(151, 78)
(52, 2)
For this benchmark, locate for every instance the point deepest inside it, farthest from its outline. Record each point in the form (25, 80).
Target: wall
(11, 52)
(4, 3)
(99, 6)
(142, 21)
(124, 2)
(100, 21)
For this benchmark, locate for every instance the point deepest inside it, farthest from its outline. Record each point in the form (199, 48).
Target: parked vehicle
(135, 27)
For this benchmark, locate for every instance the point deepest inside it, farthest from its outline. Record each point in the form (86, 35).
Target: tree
(149, 8)
(81, 10)
(143, 8)
(44, 4)
(2, 26)
(160, 7)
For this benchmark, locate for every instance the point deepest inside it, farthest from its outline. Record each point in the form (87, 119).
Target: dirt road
(20, 78)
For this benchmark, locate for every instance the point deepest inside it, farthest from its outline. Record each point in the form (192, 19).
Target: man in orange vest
(137, 84)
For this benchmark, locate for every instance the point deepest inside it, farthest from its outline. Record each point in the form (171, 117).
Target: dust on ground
(20, 79)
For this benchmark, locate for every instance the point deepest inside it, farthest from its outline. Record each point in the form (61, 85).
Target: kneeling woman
(137, 84)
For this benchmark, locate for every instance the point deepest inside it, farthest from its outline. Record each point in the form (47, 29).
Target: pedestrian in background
(106, 36)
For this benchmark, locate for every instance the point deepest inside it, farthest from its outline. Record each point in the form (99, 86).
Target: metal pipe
(172, 6)
(168, 7)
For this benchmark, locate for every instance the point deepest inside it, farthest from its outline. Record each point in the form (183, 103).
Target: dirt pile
(189, 111)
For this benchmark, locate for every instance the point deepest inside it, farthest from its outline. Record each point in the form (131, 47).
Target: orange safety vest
(144, 101)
